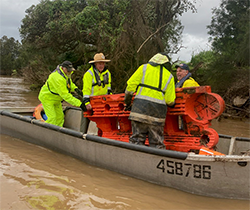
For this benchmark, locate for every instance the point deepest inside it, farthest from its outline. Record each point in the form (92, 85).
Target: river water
(32, 177)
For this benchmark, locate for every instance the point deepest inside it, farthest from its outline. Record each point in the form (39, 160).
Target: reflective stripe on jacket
(96, 83)
(154, 91)
(57, 88)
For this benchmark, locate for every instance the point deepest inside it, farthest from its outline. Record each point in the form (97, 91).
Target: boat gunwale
(237, 138)
(111, 142)
(149, 150)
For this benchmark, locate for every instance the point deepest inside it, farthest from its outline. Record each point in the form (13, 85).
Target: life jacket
(96, 83)
(179, 84)
(100, 82)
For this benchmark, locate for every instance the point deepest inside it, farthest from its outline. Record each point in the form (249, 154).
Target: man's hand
(128, 99)
(109, 92)
(128, 108)
(89, 107)
(84, 102)
(83, 107)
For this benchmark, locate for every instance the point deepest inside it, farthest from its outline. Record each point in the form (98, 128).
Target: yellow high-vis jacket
(57, 88)
(155, 89)
(96, 83)
(190, 82)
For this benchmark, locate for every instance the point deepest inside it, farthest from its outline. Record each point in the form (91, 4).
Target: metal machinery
(187, 126)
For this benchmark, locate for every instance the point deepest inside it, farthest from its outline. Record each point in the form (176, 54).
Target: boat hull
(215, 176)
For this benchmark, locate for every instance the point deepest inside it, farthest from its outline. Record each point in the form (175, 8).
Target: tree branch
(151, 36)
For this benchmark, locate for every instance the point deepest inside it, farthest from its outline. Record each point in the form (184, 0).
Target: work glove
(109, 92)
(83, 107)
(127, 108)
(127, 101)
(79, 92)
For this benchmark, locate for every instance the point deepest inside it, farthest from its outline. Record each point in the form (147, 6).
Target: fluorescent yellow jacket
(57, 88)
(155, 88)
(96, 83)
(186, 81)
(190, 82)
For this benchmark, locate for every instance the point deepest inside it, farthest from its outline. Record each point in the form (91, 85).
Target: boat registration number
(185, 169)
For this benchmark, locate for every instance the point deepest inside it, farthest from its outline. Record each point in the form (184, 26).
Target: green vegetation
(229, 32)
(9, 53)
(226, 67)
(129, 32)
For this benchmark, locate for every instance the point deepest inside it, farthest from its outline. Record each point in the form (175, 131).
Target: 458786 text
(185, 169)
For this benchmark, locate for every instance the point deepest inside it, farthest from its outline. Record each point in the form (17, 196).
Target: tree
(48, 29)
(150, 27)
(208, 69)
(128, 32)
(9, 53)
(244, 46)
(229, 31)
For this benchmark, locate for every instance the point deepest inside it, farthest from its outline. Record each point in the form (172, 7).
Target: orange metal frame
(187, 126)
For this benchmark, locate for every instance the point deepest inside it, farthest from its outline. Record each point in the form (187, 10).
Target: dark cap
(68, 65)
(183, 66)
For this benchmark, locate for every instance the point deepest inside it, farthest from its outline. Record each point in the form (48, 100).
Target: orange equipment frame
(187, 126)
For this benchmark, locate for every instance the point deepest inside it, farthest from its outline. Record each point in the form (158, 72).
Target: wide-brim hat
(68, 65)
(99, 57)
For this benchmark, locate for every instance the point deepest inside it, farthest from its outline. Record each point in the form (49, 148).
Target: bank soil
(237, 99)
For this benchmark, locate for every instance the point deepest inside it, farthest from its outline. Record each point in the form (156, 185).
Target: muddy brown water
(33, 177)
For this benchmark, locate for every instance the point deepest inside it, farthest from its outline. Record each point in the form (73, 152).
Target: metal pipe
(145, 149)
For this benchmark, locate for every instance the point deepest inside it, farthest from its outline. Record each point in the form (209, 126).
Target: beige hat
(99, 57)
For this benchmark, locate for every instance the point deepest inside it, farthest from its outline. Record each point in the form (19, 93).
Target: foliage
(244, 46)
(228, 60)
(9, 53)
(227, 70)
(200, 65)
(210, 70)
(229, 31)
(48, 30)
(153, 20)
(128, 32)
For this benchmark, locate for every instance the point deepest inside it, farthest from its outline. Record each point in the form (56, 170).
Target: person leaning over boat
(155, 89)
(184, 77)
(57, 88)
(97, 80)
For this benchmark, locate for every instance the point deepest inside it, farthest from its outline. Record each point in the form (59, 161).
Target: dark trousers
(142, 130)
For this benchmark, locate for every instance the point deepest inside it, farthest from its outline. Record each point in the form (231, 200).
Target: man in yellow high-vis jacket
(97, 80)
(155, 89)
(57, 88)
(184, 77)
(184, 80)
